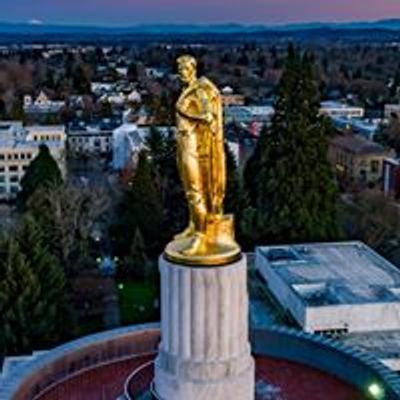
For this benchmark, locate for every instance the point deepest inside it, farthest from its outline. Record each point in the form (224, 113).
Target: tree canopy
(43, 172)
(291, 186)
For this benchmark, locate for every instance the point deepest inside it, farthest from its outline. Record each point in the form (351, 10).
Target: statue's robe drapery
(200, 99)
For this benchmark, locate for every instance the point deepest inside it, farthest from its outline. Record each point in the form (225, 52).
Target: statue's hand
(209, 117)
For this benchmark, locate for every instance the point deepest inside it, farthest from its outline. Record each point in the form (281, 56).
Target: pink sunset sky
(125, 12)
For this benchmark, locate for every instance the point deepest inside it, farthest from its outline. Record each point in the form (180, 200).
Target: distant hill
(40, 29)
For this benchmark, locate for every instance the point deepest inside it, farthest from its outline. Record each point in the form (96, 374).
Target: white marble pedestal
(204, 352)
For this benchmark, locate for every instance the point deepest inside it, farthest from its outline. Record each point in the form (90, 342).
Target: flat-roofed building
(336, 109)
(230, 98)
(248, 114)
(19, 145)
(333, 287)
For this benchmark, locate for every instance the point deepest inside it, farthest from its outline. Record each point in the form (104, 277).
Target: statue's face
(187, 72)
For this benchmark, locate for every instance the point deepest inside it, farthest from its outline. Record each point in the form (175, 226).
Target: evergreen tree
(133, 74)
(43, 172)
(142, 207)
(136, 265)
(155, 142)
(233, 193)
(294, 192)
(33, 305)
(17, 112)
(173, 195)
(22, 315)
(51, 277)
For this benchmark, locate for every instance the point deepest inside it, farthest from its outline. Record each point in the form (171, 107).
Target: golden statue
(209, 238)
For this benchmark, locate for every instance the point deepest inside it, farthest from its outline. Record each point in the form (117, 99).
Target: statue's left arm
(205, 114)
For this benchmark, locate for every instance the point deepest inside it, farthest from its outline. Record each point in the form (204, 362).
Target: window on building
(14, 189)
(29, 156)
(14, 178)
(374, 166)
(2, 178)
(16, 156)
(2, 157)
(2, 169)
(13, 168)
(22, 156)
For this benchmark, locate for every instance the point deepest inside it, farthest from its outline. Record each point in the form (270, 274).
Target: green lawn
(137, 300)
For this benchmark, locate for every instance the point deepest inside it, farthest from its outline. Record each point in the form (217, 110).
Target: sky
(132, 12)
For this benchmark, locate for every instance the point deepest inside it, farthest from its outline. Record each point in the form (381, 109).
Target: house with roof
(42, 104)
(357, 158)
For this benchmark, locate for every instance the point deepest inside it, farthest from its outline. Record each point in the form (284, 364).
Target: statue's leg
(188, 162)
(195, 195)
(181, 154)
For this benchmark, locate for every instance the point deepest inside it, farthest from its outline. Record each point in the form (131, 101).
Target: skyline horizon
(208, 12)
(39, 22)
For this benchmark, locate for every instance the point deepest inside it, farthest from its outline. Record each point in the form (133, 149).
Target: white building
(42, 104)
(334, 286)
(19, 145)
(248, 114)
(337, 109)
(90, 140)
(129, 140)
(99, 88)
(341, 289)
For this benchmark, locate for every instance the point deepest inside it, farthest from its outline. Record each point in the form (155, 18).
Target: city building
(336, 109)
(248, 115)
(391, 178)
(230, 98)
(19, 145)
(128, 140)
(344, 290)
(42, 104)
(91, 139)
(392, 110)
(364, 127)
(356, 158)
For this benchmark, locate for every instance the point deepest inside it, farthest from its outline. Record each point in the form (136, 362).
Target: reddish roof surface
(292, 381)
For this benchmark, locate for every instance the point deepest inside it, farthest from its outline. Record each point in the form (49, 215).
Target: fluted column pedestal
(204, 352)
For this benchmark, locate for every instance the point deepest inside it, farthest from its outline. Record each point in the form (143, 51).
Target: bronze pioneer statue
(209, 237)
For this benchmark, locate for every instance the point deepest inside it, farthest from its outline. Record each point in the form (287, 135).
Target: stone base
(204, 352)
(237, 387)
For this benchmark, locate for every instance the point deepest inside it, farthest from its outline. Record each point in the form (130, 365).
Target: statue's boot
(189, 231)
(198, 245)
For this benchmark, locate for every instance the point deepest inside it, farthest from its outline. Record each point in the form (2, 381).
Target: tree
(390, 135)
(67, 214)
(142, 208)
(163, 156)
(233, 195)
(132, 72)
(43, 172)
(294, 192)
(156, 144)
(80, 81)
(33, 304)
(373, 219)
(17, 112)
(136, 264)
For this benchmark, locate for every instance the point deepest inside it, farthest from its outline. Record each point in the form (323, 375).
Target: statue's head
(187, 68)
